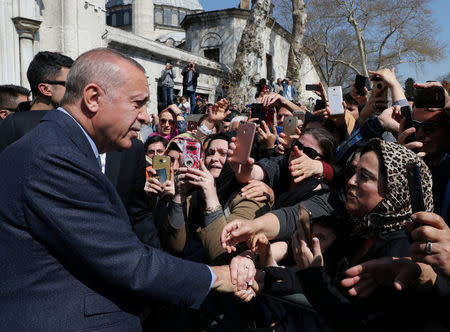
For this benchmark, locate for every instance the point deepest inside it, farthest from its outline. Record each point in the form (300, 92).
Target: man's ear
(44, 89)
(3, 114)
(92, 93)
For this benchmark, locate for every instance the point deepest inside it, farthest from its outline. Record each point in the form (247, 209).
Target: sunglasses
(63, 83)
(160, 151)
(428, 127)
(310, 152)
(164, 121)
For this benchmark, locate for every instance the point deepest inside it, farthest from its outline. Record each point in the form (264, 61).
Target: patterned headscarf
(395, 209)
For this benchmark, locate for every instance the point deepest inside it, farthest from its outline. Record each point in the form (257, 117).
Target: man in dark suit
(47, 74)
(70, 260)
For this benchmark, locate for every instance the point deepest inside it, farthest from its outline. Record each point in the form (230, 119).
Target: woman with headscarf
(378, 204)
(205, 200)
(171, 122)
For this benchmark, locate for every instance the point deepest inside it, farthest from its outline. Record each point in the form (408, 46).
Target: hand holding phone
(335, 100)
(244, 141)
(192, 154)
(406, 113)
(289, 128)
(362, 82)
(432, 97)
(161, 164)
(312, 87)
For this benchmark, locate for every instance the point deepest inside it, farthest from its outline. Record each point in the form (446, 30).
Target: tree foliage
(345, 37)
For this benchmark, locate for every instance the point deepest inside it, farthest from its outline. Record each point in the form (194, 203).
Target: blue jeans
(167, 95)
(191, 95)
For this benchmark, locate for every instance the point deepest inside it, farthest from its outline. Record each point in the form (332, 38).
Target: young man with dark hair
(10, 97)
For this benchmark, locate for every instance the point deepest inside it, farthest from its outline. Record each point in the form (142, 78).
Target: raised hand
(219, 111)
(237, 231)
(259, 191)
(303, 167)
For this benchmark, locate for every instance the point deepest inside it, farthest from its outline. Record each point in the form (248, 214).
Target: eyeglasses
(221, 152)
(159, 151)
(428, 127)
(310, 152)
(164, 121)
(63, 83)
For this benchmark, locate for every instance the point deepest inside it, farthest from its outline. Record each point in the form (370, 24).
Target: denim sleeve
(181, 126)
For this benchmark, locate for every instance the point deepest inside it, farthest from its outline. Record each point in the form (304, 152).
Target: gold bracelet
(213, 209)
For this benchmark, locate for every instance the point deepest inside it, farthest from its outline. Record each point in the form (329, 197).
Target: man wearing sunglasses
(432, 128)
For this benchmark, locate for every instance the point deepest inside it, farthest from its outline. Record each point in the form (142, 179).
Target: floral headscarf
(395, 209)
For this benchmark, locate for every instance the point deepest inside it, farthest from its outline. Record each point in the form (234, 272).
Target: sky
(423, 72)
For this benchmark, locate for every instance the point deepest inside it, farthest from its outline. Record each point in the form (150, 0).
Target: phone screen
(361, 82)
(415, 187)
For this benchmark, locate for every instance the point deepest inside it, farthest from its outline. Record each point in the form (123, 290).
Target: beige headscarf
(395, 209)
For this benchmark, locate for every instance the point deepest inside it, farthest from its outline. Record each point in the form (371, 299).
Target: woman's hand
(242, 270)
(261, 245)
(201, 178)
(259, 191)
(431, 236)
(304, 256)
(152, 184)
(237, 231)
(266, 138)
(219, 111)
(242, 171)
(361, 100)
(303, 167)
(395, 272)
(403, 134)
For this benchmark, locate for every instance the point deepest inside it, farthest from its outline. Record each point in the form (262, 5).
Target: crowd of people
(340, 225)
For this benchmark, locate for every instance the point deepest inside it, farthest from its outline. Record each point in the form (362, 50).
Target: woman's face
(364, 188)
(175, 159)
(216, 155)
(166, 122)
(308, 141)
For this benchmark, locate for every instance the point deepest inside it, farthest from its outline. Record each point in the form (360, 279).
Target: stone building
(150, 31)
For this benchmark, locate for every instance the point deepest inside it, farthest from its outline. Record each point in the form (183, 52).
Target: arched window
(174, 17)
(126, 18)
(158, 15)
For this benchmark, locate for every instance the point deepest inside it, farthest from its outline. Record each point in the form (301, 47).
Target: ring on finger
(428, 247)
(246, 267)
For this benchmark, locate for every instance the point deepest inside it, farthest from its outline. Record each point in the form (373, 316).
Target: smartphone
(257, 111)
(407, 114)
(432, 97)
(267, 116)
(193, 117)
(289, 128)
(300, 116)
(161, 164)
(379, 88)
(335, 100)
(312, 87)
(192, 125)
(320, 104)
(361, 82)
(192, 154)
(244, 141)
(415, 187)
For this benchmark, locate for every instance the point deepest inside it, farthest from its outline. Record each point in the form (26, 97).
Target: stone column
(142, 19)
(70, 28)
(26, 28)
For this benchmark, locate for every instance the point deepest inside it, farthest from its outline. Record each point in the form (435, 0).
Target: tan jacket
(174, 240)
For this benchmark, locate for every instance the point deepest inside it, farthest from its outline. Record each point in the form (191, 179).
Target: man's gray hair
(96, 66)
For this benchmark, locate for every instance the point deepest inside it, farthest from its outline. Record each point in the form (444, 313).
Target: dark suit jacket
(69, 258)
(125, 169)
